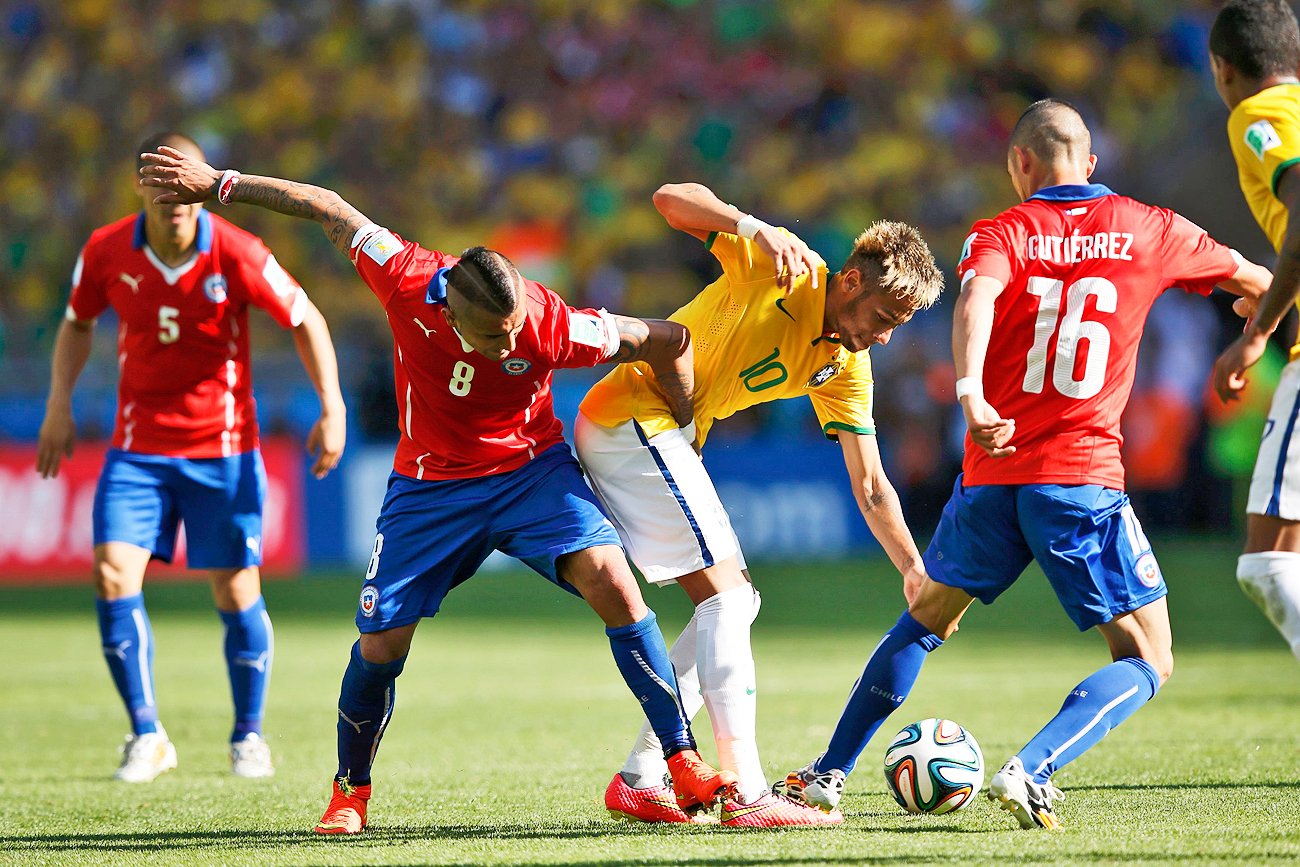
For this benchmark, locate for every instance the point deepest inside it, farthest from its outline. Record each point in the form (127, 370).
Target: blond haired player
(776, 324)
(1255, 52)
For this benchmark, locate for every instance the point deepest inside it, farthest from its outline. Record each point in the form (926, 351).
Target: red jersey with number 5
(185, 387)
(1082, 267)
(463, 415)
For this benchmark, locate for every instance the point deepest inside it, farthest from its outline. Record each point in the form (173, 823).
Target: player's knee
(114, 582)
(1163, 663)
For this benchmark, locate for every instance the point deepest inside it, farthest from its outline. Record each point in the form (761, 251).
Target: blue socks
(888, 678)
(1104, 700)
(250, 649)
(127, 639)
(642, 659)
(365, 707)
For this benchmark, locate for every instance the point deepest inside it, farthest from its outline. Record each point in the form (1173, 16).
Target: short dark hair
(1052, 129)
(486, 279)
(169, 138)
(1258, 37)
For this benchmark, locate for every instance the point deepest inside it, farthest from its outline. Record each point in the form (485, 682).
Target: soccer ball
(934, 766)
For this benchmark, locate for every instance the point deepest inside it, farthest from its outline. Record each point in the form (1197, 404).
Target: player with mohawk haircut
(481, 463)
(776, 324)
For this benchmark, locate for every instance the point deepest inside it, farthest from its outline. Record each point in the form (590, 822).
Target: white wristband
(969, 386)
(226, 185)
(748, 226)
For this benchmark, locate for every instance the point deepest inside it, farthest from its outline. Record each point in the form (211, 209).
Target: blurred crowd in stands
(541, 128)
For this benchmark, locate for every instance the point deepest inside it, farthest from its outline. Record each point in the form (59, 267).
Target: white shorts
(659, 497)
(1275, 486)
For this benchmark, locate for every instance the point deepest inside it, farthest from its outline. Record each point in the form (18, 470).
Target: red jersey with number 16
(463, 415)
(1082, 267)
(185, 387)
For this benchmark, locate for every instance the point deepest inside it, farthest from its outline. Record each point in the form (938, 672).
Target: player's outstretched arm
(881, 508)
(181, 178)
(311, 337)
(971, 327)
(59, 430)
(695, 210)
(665, 346)
(1230, 368)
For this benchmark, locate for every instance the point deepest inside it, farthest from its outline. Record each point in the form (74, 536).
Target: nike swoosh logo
(780, 305)
(750, 691)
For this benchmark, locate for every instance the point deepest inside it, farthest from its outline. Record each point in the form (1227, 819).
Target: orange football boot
(346, 813)
(774, 810)
(695, 782)
(655, 804)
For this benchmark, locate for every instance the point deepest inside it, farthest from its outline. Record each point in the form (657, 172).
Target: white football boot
(145, 757)
(1016, 792)
(821, 790)
(251, 757)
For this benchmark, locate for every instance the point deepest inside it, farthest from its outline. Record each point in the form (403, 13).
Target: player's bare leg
(602, 576)
(249, 646)
(127, 639)
(1269, 573)
(366, 701)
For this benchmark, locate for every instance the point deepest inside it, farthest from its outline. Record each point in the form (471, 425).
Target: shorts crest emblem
(369, 600)
(1148, 571)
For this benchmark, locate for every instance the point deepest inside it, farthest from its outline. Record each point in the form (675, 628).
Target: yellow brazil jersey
(1264, 130)
(753, 344)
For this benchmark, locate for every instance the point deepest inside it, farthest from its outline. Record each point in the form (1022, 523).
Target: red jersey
(463, 415)
(185, 387)
(1082, 267)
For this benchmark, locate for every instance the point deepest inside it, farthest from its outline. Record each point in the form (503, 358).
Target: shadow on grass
(329, 848)
(1155, 787)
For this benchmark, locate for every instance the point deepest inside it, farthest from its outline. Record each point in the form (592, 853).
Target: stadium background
(542, 128)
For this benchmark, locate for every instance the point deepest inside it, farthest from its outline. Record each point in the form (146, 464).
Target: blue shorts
(434, 535)
(141, 499)
(1085, 538)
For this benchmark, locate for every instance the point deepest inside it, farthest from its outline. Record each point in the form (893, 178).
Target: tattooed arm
(665, 346)
(181, 178)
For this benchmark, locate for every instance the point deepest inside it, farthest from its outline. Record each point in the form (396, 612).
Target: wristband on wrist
(748, 226)
(226, 185)
(969, 386)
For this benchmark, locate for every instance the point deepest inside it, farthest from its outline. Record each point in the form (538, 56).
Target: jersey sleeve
(578, 337)
(742, 260)
(1191, 259)
(88, 298)
(846, 402)
(985, 254)
(381, 258)
(266, 284)
(1265, 142)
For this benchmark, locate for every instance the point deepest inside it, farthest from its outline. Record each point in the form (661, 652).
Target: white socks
(715, 667)
(1272, 581)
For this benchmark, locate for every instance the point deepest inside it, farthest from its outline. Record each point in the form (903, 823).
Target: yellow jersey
(1264, 131)
(753, 344)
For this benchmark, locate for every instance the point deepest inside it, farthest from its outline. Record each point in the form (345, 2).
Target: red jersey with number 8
(463, 415)
(185, 387)
(1082, 267)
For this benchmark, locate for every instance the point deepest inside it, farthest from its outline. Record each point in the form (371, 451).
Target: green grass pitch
(511, 719)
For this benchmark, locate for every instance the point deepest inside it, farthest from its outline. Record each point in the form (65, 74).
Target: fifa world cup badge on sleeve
(369, 600)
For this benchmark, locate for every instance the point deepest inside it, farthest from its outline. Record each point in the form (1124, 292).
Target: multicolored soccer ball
(934, 766)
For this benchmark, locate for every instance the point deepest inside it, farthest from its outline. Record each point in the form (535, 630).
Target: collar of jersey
(1072, 192)
(437, 291)
(202, 236)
